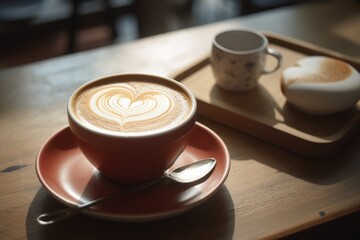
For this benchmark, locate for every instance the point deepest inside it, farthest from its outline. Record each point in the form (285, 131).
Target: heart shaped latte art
(121, 104)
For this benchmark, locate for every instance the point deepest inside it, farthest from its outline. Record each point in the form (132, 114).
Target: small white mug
(238, 59)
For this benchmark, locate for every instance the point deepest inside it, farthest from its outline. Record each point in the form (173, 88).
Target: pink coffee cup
(132, 127)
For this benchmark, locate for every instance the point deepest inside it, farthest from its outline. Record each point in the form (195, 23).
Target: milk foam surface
(317, 70)
(131, 107)
(321, 85)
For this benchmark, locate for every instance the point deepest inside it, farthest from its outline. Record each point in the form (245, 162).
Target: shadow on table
(325, 171)
(214, 219)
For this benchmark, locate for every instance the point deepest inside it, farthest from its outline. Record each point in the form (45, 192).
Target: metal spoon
(186, 174)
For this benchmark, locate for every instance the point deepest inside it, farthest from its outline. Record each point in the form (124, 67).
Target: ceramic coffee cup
(131, 127)
(238, 59)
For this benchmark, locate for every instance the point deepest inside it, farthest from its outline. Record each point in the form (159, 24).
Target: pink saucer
(70, 178)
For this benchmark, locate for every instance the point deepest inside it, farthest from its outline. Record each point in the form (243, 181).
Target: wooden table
(269, 193)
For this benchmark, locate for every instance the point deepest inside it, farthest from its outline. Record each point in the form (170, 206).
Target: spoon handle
(61, 214)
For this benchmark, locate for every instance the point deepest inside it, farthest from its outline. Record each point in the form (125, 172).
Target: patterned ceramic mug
(238, 59)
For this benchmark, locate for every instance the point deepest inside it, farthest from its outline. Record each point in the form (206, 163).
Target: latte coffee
(132, 127)
(131, 106)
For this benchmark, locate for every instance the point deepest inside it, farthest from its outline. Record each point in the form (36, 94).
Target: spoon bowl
(190, 173)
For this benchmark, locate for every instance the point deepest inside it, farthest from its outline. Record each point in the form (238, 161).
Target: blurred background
(33, 30)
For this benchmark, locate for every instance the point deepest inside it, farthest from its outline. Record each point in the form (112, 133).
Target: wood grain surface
(270, 192)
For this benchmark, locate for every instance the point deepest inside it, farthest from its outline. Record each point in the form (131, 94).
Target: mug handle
(278, 57)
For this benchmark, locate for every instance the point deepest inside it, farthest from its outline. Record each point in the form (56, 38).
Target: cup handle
(278, 57)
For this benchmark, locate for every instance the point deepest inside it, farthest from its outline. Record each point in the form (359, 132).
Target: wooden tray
(264, 112)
